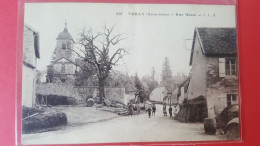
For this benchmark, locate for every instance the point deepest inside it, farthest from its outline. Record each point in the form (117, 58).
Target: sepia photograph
(111, 73)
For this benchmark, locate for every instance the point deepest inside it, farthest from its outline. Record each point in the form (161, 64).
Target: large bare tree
(101, 50)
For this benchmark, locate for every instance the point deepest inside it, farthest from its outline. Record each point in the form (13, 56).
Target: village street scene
(100, 80)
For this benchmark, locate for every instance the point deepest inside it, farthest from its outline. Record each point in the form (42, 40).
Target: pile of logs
(119, 111)
(194, 110)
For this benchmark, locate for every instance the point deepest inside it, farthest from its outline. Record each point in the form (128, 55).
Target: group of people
(151, 110)
(165, 111)
(133, 108)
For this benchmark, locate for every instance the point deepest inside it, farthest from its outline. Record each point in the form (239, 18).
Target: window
(68, 45)
(230, 67)
(232, 99)
(63, 68)
(227, 67)
(63, 46)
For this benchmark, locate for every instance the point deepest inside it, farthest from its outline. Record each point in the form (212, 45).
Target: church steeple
(65, 35)
(64, 45)
(65, 29)
(63, 57)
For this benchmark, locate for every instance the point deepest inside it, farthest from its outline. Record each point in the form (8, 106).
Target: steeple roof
(65, 35)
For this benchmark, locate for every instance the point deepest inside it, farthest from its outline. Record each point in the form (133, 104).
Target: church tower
(62, 67)
(64, 46)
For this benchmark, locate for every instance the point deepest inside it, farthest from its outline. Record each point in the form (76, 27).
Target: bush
(43, 120)
(26, 111)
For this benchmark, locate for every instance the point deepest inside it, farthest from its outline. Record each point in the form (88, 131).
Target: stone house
(214, 68)
(30, 55)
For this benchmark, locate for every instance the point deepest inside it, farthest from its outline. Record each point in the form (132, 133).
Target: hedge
(43, 120)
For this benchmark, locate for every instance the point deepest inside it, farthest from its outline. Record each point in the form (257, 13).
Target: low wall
(79, 93)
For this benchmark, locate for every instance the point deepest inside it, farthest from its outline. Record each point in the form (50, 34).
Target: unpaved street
(138, 128)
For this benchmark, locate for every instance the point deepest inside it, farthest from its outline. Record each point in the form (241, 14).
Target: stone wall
(28, 47)
(79, 93)
(218, 87)
(28, 86)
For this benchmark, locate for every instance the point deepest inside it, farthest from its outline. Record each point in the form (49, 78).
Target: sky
(152, 31)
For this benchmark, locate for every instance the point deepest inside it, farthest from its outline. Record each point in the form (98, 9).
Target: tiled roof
(218, 41)
(65, 35)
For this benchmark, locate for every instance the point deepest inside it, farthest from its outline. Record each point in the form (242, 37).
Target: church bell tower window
(68, 45)
(63, 46)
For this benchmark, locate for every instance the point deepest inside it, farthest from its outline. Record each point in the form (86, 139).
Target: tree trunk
(102, 90)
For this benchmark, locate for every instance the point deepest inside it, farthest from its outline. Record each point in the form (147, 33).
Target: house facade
(30, 55)
(214, 68)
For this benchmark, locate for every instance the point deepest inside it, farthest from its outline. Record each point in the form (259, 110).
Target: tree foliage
(167, 78)
(85, 76)
(149, 82)
(119, 79)
(138, 83)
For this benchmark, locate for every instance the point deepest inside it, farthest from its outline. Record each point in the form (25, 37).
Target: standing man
(130, 109)
(149, 111)
(170, 111)
(154, 109)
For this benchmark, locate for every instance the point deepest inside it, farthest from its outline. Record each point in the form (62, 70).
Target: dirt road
(137, 128)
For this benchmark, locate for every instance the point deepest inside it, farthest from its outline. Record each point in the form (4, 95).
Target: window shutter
(222, 69)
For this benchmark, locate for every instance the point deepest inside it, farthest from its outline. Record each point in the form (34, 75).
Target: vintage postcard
(110, 73)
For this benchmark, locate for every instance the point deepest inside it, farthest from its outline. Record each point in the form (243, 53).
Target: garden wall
(79, 93)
